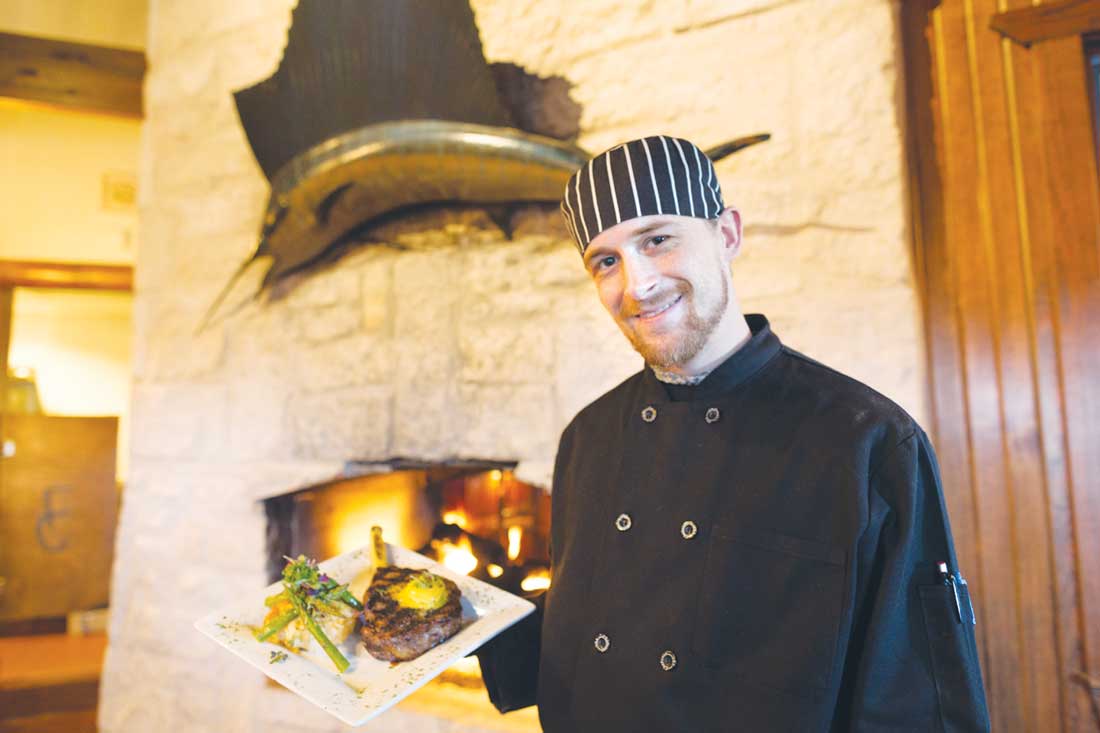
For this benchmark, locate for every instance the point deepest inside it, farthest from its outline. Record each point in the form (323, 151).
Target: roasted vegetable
(311, 604)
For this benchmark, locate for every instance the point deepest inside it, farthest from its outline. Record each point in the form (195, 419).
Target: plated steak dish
(405, 611)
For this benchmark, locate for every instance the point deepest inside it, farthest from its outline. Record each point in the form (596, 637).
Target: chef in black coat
(743, 539)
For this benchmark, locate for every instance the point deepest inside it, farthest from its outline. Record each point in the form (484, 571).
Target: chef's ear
(729, 228)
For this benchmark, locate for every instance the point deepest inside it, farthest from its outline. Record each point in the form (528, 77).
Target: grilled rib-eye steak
(397, 631)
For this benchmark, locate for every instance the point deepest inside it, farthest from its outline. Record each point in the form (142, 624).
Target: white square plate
(369, 686)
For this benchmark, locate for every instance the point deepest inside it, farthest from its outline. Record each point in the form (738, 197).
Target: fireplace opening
(475, 517)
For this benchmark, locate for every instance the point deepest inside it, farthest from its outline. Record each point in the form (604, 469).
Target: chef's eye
(602, 263)
(659, 239)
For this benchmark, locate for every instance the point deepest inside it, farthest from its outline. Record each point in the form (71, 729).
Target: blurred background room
(68, 241)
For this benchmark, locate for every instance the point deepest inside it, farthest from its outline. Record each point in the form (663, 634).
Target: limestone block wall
(462, 344)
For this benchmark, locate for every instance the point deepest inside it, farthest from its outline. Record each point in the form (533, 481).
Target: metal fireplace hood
(330, 189)
(379, 105)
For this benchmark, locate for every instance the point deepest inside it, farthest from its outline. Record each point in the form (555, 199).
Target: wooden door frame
(82, 276)
(40, 274)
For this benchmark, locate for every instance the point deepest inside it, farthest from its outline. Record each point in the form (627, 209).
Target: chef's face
(666, 281)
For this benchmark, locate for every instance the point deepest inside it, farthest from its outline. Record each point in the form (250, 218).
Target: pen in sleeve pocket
(949, 579)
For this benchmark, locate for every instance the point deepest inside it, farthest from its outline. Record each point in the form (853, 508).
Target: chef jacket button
(712, 415)
(602, 643)
(649, 414)
(688, 530)
(623, 522)
(668, 661)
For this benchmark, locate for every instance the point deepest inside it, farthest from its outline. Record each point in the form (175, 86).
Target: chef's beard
(682, 345)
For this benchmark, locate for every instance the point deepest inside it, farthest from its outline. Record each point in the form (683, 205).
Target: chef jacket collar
(761, 347)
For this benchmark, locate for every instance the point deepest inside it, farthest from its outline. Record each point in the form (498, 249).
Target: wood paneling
(75, 75)
(1006, 230)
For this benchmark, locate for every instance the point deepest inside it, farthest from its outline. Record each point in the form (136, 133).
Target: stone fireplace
(441, 339)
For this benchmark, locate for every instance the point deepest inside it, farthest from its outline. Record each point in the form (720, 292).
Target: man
(743, 538)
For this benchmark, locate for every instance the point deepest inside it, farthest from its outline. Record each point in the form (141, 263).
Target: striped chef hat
(651, 175)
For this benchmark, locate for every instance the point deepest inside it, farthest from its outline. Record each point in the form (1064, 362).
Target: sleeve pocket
(954, 659)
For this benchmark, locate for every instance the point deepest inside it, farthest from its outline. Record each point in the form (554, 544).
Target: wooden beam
(72, 75)
(1049, 20)
(18, 273)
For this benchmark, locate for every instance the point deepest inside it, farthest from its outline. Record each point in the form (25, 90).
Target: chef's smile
(654, 315)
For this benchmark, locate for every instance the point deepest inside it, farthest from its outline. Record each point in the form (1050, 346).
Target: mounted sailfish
(383, 104)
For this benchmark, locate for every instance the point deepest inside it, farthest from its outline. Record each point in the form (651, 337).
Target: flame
(536, 580)
(458, 557)
(456, 518)
(495, 571)
(352, 529)
(391, 502)
(515, 539)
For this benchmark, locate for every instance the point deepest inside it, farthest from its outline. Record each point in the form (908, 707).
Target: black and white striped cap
(651, 175)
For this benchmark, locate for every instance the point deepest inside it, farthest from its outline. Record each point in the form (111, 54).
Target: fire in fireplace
(473, 516)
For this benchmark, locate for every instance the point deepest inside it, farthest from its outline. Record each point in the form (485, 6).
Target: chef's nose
(640, 277)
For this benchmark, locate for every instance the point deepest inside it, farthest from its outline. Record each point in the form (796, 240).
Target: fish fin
(732, 146)
(208, 318)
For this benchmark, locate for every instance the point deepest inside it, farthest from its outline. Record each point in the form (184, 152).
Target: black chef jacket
(760, 552)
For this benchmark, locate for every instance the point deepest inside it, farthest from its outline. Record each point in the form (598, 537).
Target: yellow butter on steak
(423, 591)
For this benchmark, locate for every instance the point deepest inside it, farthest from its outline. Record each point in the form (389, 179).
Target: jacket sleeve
(510, 662)
(913, 663)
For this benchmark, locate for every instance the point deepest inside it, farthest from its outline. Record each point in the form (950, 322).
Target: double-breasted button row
(712, 415)
(688, 529)
(667, 660)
